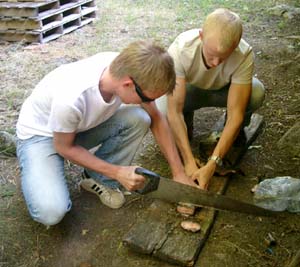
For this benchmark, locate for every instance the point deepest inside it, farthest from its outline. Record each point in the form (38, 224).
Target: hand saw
(171, 191)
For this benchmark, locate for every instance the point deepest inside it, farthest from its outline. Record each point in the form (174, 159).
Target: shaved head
(225, 27)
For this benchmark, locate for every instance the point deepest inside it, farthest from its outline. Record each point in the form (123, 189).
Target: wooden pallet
(42, 22)
(158, 233)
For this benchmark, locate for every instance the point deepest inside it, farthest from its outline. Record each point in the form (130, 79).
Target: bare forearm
(178, 127)
(164, 138)
(238, 98)
(228, 136)
(64, 145)
(163, 135)
(84, 158)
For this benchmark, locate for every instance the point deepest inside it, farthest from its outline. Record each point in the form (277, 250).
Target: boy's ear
(127, 81)
(201, 34)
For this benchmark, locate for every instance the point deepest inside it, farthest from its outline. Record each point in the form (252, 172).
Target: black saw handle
(152, 180)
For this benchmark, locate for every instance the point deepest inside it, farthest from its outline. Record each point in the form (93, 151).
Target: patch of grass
(282, 24)
(119, 24)
(7, 191)
(12, 99)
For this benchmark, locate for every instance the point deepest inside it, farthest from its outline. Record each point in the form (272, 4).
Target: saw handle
(152, 180)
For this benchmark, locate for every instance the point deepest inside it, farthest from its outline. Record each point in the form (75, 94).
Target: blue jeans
(197, 98)
(42, 168)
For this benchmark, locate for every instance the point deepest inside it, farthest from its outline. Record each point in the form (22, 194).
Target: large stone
(290, 141)
(7, 144)
(233, 157)
(285, 11)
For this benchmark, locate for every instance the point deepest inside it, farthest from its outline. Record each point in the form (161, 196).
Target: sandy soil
(91, 234)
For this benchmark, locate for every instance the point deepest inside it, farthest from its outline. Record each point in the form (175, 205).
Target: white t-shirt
(68, 99)
(186, 51)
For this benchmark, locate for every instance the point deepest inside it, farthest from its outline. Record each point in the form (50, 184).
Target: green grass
(119, 24)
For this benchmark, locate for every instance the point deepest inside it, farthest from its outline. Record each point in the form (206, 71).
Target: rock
(290, 141)
(270, 240)
(186, 209)
(208, 143)
(190, 226)
(7, 144)
(286, 11)
(278, 194)
(254, 188)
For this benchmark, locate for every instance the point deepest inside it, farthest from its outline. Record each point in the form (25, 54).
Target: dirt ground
(91, 234)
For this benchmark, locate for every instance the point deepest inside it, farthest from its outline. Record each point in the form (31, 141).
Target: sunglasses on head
(140, 93)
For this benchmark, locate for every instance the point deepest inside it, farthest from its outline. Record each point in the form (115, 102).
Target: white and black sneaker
(112, 198)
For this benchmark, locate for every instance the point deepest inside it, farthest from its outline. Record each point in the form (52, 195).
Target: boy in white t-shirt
(77, 107)
(214, 68)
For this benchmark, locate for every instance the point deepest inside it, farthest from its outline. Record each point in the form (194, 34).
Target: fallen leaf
(84, 231)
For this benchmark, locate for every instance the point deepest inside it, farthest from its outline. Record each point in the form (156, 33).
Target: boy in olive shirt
(214, 68)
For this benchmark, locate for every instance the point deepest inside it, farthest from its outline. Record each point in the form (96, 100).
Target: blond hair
(224, 24)
(148, 64)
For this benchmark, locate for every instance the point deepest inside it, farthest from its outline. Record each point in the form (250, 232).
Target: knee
(48, 212)
(257, 95)
(138, 118)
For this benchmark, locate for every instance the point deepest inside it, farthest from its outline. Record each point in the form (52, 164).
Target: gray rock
(278, 194)
(285, 11)
(290, 141)
(7, 144)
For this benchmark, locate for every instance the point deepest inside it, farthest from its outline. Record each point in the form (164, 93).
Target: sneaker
(112, 198)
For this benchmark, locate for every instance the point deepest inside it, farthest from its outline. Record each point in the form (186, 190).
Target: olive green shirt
(186, 52)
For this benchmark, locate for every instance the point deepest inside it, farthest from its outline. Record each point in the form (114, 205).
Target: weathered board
(158, 232)
(27, 9)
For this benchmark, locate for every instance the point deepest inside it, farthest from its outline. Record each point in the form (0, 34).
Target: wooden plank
(89, 11)
(20, 24)
(15, 36)
(51, 23)
(165, 239)
(148, 235)
(18, 1)
(39, 10)
(65, 7)
(87, 20)
(89, 7)
(61, 10)
(161, 236)
(24, 24)
(51, 34)
(67, 28)
(32, 36)
(28, 4)
(71, 26)
(26, 9)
